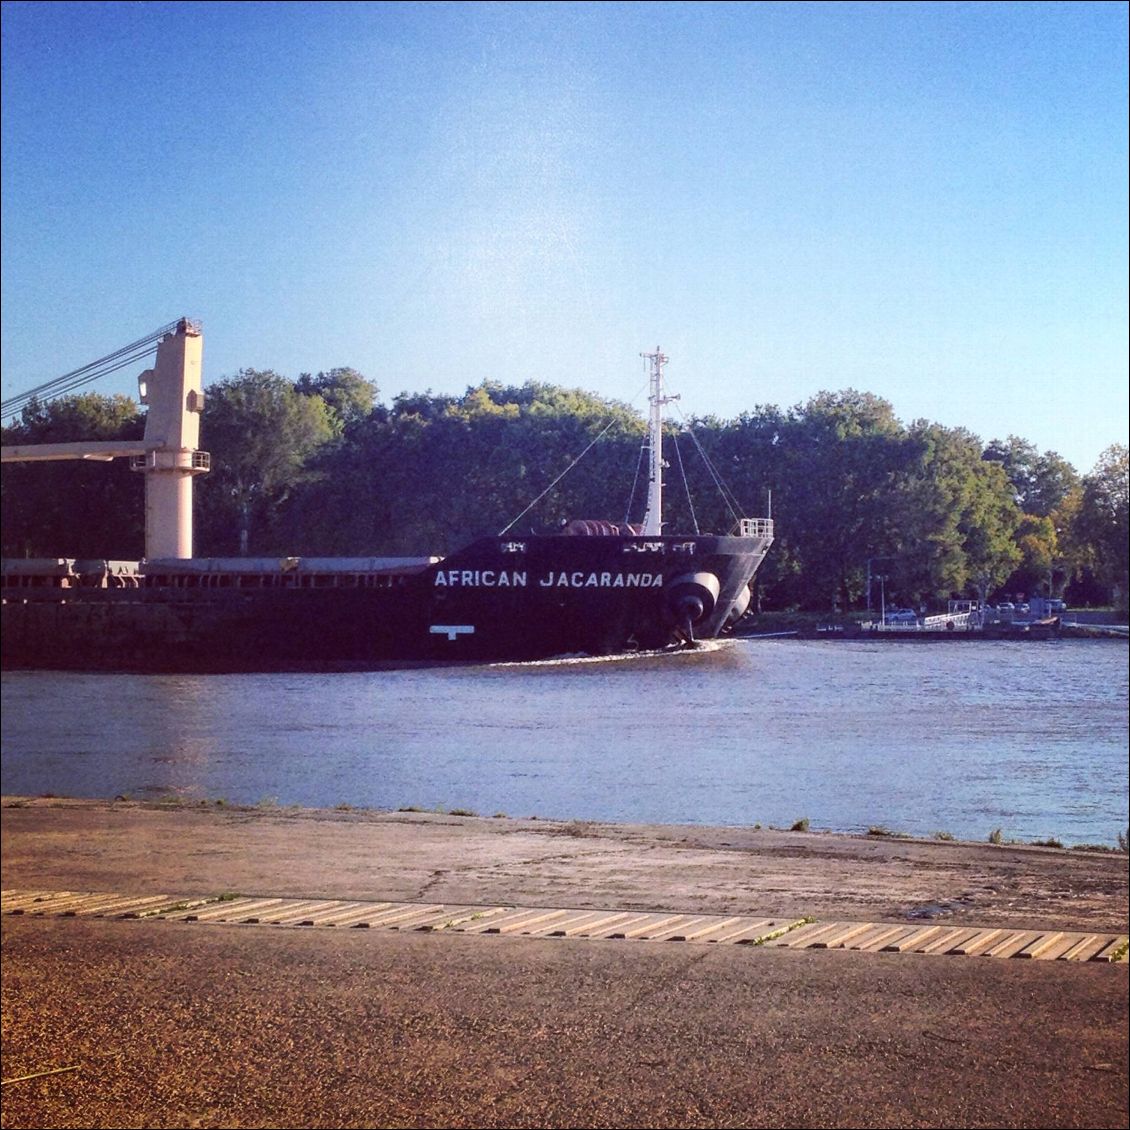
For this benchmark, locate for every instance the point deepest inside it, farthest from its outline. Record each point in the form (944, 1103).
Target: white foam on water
(703, 647)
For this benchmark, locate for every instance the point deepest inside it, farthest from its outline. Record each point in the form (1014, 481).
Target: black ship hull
(497, 600)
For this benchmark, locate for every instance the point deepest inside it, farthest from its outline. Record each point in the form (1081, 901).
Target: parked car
(1006, 606)
(901, 616)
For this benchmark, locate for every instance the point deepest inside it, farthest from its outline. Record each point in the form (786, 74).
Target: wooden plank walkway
(558, 922)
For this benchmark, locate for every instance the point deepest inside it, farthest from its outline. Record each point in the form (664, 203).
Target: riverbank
(172, 1024)
(201, 848)
(810, 624)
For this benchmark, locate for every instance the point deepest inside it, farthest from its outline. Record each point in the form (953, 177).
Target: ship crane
(169, 455)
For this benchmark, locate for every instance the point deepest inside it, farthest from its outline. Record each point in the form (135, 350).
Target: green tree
(74, 508)
(433, 472)
(261, 432)
(348, 395)
(1038, 542)
(736, 468)
(842, 456)
(1071, 556)
(1047, 490)
(958, 519)
(1103, 521)
(1042, 481)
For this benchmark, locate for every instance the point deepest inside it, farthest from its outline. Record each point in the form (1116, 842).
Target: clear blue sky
(927, 201)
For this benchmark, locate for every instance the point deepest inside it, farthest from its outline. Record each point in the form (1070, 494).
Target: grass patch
(462, 812)
(995, 836)
(781, 931)
(947, 836)
(881, 831)
(801, 825)
(1049, 842)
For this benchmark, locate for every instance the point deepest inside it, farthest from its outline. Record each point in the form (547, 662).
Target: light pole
(869, 577)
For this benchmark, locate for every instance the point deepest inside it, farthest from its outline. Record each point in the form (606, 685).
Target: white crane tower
(169, 455)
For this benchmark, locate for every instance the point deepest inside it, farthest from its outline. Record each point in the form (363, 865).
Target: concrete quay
(160, 1021)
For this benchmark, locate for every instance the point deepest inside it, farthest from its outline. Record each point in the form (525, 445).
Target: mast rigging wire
(592, 442)
(635, 482)
(686, 484)
(85, 374)
(728, 496)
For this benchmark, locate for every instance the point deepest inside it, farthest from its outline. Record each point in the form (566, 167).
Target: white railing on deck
(943, 622)
(755, 527)
(960, 621)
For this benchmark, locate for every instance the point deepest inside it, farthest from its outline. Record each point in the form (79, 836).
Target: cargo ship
(595, 587)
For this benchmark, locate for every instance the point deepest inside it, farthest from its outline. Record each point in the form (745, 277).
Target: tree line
(318, 466)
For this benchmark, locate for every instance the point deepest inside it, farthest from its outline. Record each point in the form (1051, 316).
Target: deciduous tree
(74, 508)
(1103, 522)
(261, 432)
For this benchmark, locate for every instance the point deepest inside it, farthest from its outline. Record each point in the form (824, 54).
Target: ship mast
(653, 518)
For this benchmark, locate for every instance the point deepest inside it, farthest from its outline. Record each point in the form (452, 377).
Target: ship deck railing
(952, 621)
(282, 572)
(755, 527)
(65, 574)
(942, 622)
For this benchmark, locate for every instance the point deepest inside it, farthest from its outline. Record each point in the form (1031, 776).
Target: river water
(964, 738)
